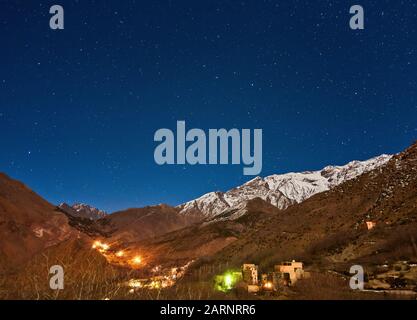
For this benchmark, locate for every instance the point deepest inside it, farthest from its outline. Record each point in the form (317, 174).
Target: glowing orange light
(100, 246)
(120, 253)
(96, 244)
(137, 260)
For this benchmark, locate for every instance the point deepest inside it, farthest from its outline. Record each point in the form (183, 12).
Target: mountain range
(30, 224)
(280, 190)
(320, 217)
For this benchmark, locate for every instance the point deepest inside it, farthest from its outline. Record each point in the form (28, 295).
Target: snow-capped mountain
(280, 190)
(83, 211)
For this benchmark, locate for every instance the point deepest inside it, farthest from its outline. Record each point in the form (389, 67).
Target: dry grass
(88, 276)
(327, 286)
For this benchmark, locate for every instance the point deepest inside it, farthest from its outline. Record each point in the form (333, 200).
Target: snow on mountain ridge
(212, 203)
(281, 190)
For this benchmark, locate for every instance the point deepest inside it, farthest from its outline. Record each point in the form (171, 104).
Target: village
(394, 278)
(283, 275)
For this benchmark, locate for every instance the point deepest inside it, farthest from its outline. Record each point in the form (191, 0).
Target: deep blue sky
(79, 107)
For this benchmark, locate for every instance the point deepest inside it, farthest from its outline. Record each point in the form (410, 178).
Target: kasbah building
(284, 275)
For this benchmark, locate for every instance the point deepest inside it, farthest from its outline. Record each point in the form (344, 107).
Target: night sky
(79, 107)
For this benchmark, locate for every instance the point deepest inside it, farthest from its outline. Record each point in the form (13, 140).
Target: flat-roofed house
(291, 271)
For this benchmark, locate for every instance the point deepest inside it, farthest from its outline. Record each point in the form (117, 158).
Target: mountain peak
(82, 210)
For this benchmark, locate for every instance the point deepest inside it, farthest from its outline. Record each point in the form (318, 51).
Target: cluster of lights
(100, 246)
(159, 281)
(134, 283)
(153, 283)
(119, 256)
(227, 281)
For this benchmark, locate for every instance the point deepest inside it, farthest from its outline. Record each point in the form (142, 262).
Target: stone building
(291, 271)
(250, 274)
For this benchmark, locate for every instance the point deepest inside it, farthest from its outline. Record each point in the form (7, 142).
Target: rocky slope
(141, 223)
(28, 224)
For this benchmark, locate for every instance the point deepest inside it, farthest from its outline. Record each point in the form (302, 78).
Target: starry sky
(79, 107)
